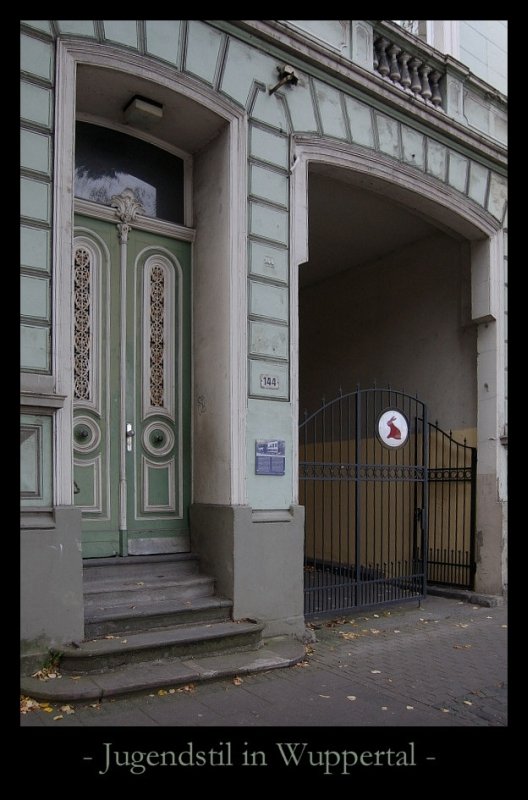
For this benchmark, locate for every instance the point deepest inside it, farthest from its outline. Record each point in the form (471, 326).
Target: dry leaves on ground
(349, 635)
(46, 673)
(189, 687)
(237, 681)
(338, 621)
(461, 646)
(28, 704)
(303, 663)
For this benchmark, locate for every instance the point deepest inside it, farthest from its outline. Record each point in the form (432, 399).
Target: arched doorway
(387, 276)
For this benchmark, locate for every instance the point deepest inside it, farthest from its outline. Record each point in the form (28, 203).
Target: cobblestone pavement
(440, 664)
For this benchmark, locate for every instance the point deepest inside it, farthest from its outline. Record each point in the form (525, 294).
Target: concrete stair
(155, 621)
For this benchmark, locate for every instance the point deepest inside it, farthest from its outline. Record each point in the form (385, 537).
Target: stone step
(278, 652)
(123, 619)
(140, 567)
(102, 654)
(120, 591)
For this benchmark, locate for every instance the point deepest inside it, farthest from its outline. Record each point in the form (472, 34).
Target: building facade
(222, 222)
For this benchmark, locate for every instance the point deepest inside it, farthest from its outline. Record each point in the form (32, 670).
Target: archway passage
(385, 301)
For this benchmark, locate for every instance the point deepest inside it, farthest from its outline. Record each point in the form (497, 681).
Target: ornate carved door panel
(131, 429)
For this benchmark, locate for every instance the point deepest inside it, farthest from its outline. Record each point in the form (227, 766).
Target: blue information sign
(270, 457)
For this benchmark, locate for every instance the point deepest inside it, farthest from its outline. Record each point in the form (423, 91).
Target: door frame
(230, 258)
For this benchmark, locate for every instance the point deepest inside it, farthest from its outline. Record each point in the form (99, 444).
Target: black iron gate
(389, 502)
(363, 461)
(452, 510)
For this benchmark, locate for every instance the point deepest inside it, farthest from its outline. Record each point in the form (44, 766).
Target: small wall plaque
(270, 457)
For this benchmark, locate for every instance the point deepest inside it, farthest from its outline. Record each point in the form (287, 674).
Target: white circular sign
(393, 429)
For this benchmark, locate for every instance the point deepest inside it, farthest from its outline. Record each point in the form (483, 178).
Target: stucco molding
(437, 199)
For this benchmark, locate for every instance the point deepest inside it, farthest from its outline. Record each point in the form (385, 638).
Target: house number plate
(269, 382)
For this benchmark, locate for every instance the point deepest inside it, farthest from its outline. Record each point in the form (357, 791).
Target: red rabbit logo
(394, 431)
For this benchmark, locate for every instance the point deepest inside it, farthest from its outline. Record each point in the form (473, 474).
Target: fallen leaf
(98, 705)
(489, 617)
(445, 710)
(349, 635)
(124, 641)
(376, 671)
(109, 636)
(463, 624)
(504, 626)
(384, 708)
(396, 631)
(373, 630)
(162, 693)
(68, 709)
(59, 716)
(28, 704)
(75, 677)
(189, 687)
(376, 616)
(140, 583)
(152, 695)
(302, 664)
(326, 696)
(409, 708)
(52, 674)
(351, 696)
(461, 646)
(237, 681)
(172, 691)
(475, 608)
(46, 708)
(468, 702)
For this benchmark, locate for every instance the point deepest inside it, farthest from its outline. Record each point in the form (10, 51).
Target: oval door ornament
(393, 428)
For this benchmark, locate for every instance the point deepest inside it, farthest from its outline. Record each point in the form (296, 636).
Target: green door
(131, 420)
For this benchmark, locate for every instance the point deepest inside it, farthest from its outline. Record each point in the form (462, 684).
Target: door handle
(129, 435)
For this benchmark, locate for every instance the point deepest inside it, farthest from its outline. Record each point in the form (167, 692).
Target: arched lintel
(420, 193)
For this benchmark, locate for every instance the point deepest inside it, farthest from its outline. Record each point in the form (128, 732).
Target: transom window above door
(108, 161)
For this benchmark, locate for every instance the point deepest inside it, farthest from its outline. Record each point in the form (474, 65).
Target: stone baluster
(411, 73)
(416, 84)
(426, 89)
(383, 64)
(394, 74)
(405, 79)
(436, 98)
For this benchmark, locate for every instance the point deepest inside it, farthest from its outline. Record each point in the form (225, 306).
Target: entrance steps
(155, 622)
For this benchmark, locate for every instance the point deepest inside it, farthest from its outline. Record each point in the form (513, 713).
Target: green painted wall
(240, 69)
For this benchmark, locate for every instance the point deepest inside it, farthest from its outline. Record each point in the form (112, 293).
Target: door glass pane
(108, 161)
